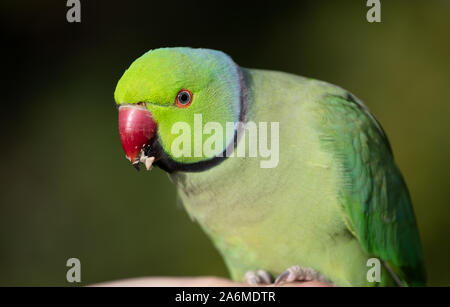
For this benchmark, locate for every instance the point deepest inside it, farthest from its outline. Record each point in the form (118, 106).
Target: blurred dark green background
(66, 188)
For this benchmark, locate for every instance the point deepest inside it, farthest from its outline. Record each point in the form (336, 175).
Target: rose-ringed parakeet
(334, 199)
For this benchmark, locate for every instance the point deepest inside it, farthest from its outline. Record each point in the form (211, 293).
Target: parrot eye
(184, 98)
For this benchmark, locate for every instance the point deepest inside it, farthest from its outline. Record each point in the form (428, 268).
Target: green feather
(372, 190)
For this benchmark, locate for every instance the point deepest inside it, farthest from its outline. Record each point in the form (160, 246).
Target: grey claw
(251, 278)
(259, 277)
(264, 277)
(282, 277)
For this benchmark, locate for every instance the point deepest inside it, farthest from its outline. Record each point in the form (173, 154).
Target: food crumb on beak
(136, 166)
(147, 161)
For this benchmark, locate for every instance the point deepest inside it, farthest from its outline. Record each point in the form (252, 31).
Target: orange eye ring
(184, 98)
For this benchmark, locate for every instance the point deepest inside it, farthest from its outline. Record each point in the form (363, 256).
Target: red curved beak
(136, 129)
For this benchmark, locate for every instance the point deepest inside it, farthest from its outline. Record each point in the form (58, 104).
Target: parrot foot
(297, 273)
(259, 277)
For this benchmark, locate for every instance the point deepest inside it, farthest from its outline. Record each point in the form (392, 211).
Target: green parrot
(330, 206)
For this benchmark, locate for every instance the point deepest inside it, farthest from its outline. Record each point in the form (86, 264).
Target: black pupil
(184, 97)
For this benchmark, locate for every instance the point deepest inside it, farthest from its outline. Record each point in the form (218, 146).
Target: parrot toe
(259, 277)
(297, 273)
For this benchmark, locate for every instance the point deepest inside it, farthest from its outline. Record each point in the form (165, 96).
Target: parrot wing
(374, 197)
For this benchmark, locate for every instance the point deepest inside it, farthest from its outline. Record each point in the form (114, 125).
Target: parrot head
(163, 92)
